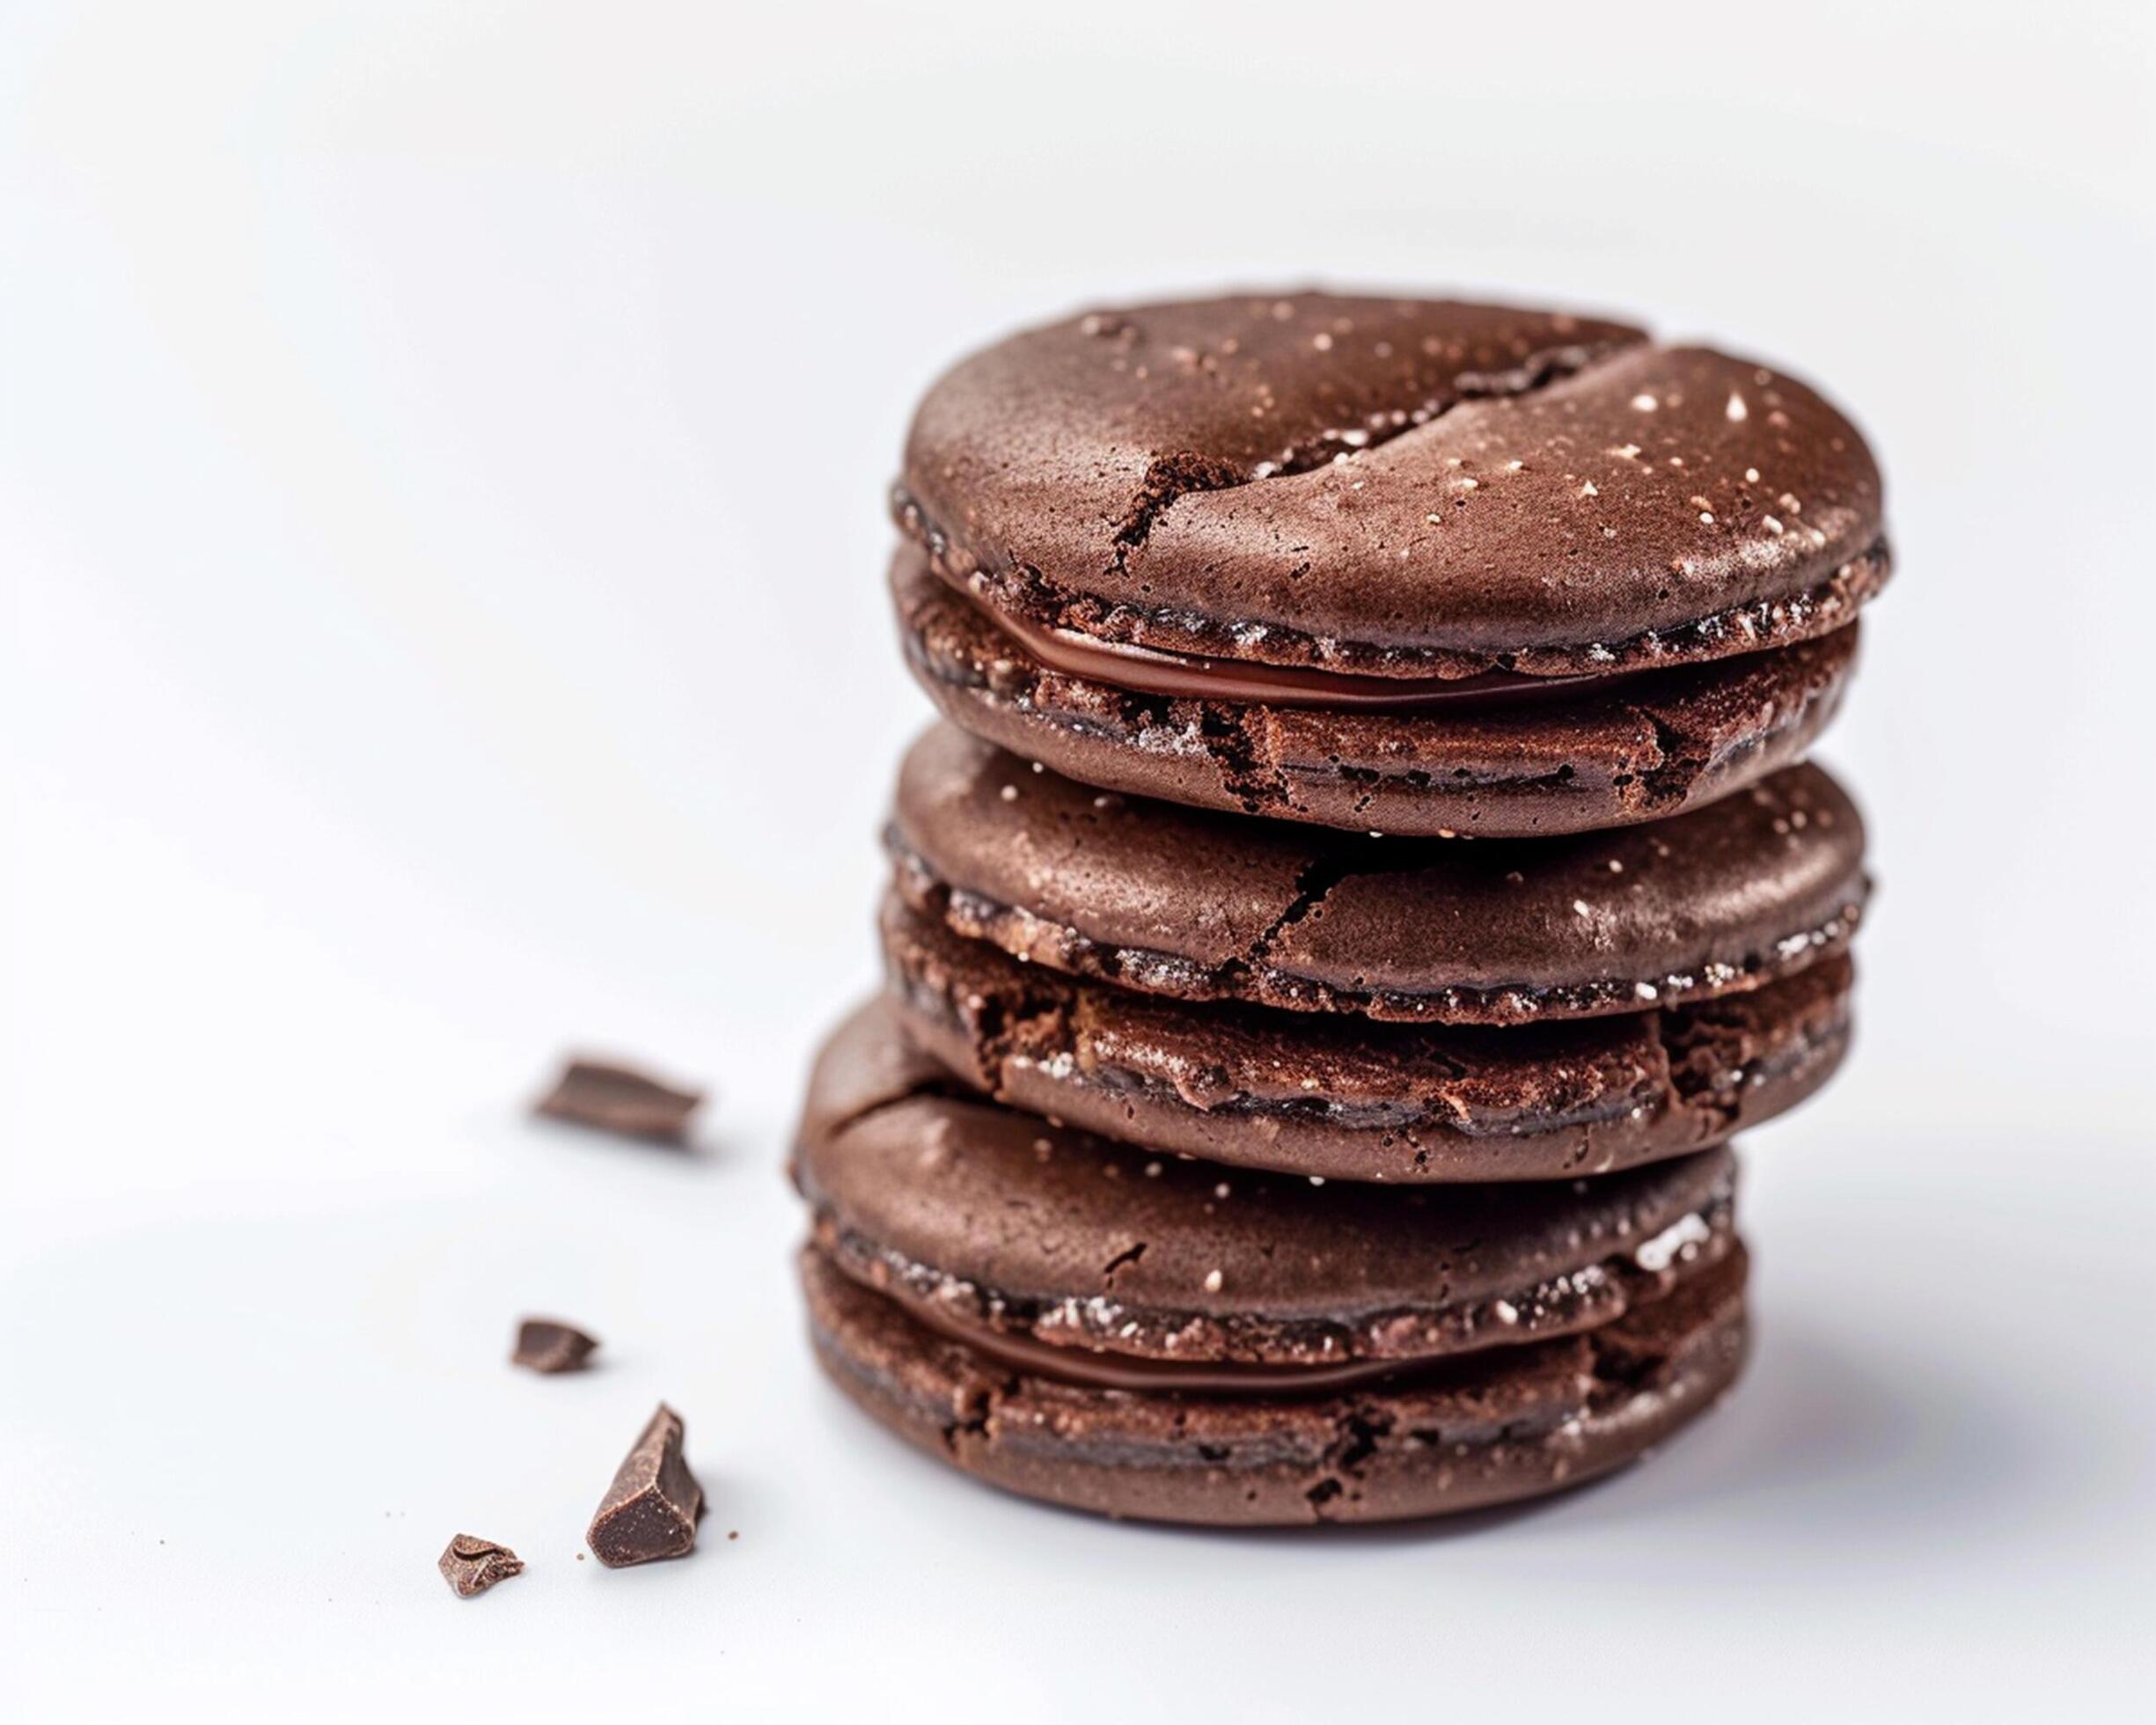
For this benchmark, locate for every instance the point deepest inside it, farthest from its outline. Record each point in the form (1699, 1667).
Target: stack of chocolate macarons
(1368, 871)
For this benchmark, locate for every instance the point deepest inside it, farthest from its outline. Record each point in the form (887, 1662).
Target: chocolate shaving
(472, 1565)
(548, 1345)
(650, 1510)
(619, 1099)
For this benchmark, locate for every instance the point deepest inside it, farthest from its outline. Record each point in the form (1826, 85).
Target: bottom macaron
(1490, 1427)
(1078, 1320)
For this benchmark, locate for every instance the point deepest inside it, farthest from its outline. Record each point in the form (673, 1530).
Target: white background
(441, 507)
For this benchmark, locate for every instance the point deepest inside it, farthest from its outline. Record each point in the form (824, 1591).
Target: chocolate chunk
(472, 1565)
(548, 1345)
(650, 1510)
(619, 1098)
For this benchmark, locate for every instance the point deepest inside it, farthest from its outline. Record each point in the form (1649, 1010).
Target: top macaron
(1411, 565)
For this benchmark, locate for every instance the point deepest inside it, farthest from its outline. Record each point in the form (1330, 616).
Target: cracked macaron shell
(1393, 486)
(1347, 1097)
(1000, 1218)
(1191, 904)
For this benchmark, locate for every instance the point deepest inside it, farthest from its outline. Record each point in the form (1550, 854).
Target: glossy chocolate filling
(1194, 676)
(1095, 1368)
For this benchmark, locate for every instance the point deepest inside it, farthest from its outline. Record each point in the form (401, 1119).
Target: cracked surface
(996, 1220)
(1170, 900)
(1346, 1099)
(1497, 1427)
(1396, 487)
(1570, 761)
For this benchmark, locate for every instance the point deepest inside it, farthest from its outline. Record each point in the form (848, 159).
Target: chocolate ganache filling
(1190, 677)
(1097, 1368)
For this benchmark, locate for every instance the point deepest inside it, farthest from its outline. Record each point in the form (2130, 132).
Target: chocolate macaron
(1077, 1320)
(1344, 1096)
(1182, 902)
(1411, 565)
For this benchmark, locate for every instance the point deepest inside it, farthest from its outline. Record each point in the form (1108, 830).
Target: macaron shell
(1194, 905)
(1604, 754)
(1345, 1097)
(1499, 1426)
(1386, 484)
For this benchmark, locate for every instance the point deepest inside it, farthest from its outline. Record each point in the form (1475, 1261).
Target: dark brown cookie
(1492, 1428)
(1382, 564)
(1201, 907)
(1005, 1228)
(1349, 1099)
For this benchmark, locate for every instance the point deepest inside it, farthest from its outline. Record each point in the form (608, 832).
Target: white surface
(442, 521)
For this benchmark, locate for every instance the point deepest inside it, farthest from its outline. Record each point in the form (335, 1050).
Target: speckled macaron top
(1202, 906)
(1391, 486)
